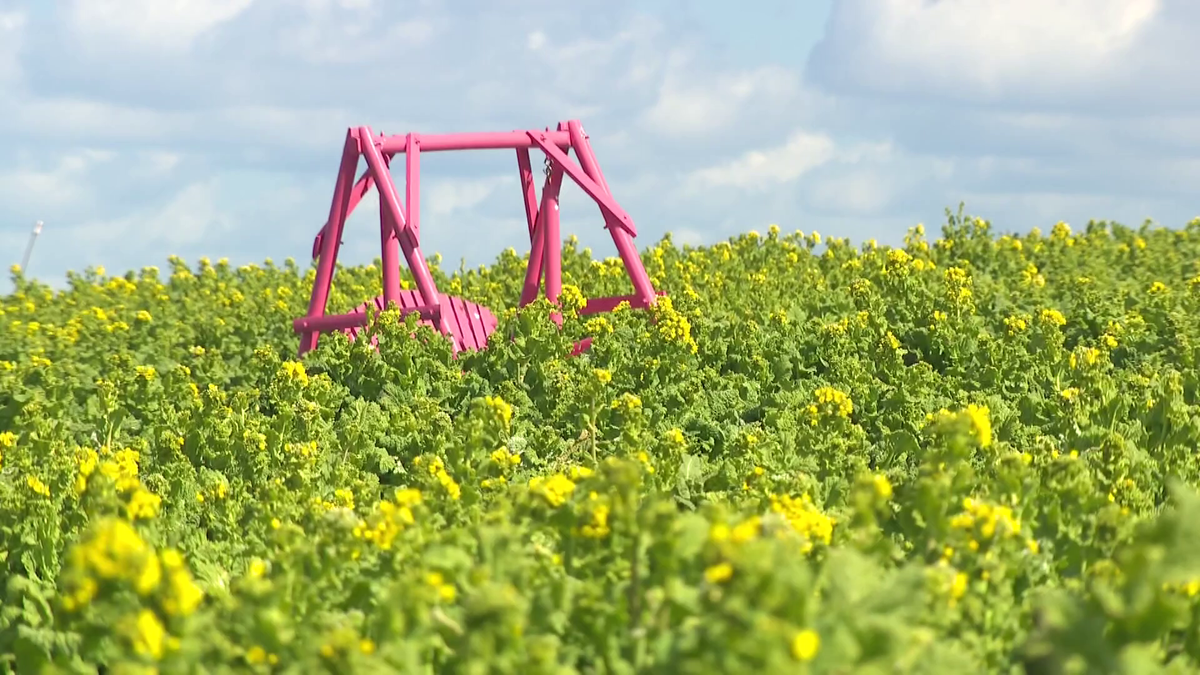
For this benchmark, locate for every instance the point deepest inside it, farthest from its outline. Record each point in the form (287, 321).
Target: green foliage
(969, 455)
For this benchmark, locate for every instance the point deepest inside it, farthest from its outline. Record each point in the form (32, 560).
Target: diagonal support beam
(606, 203)
(339, 209)
(360, 190)
(525, 166)
(622, 238)
(391, 210)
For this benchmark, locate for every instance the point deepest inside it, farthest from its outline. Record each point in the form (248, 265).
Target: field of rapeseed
(973, 454)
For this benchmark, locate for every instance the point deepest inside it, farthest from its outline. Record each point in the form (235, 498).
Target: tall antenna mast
(37, 229)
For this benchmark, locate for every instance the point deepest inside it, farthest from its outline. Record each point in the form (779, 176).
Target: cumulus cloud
(694, 108)
(758, 170)
(170, 25)
(1057, 54)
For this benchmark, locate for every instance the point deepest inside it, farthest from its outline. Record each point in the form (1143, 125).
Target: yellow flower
(149, 635)
(294, 371)
(805, 519)
(958, 587)
(143, 504)
(981, 425)
(830, 402)
(555, 489)
(572, 298)
(37, 485)
(501, 407)
(675, 436)
(805, 645)
(719, 573)
(883, 486)
(257, 568)
(256, 655)
(445, 591)
(1052, 317)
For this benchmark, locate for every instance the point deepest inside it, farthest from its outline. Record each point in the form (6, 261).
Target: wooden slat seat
(470, 322)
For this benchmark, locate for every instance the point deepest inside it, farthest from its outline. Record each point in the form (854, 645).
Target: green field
(971, 454)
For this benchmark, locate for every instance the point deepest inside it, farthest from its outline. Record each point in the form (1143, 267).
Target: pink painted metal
(468, 324)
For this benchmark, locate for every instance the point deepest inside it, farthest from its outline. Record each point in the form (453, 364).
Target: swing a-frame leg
(467, 324)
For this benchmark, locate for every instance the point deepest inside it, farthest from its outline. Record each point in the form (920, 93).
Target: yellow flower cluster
(627, 403)
(985, 522)
(596, 525)
(644, 459)
(958, 288)
(897, 263)
(504, 459)
(555, 490)
(830, 403)
(741, 533)
(598, 325)
(143, 504)
(1016, 324)
(572, 298)
(7, 440)
(1189, 588)
(976, 419)
(1084, 356)
(673, 326)
(293, 371)
(1052, 318)
(675, 437)
(114, 552)
(1030, 276)
(437, 469)
(389, 519)
(805, 519)
(445, 591)
(37, 486)
(343, 498)
(719, 573)
(501, 407)
(147, 634)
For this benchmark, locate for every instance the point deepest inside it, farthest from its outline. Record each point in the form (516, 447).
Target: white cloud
(759, 170)
(66, 184)
(447, 196)
(191, 216)
(159, 24)
(859, 193)
(989, 49)
(691, 106)
(160, 162)
(688, 237)
(12, 28)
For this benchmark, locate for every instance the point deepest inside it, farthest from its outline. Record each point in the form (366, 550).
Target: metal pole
(37, 229)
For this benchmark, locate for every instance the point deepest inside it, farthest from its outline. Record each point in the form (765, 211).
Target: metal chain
(546, 167)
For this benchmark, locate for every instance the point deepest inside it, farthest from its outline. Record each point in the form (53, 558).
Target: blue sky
(138, 129)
